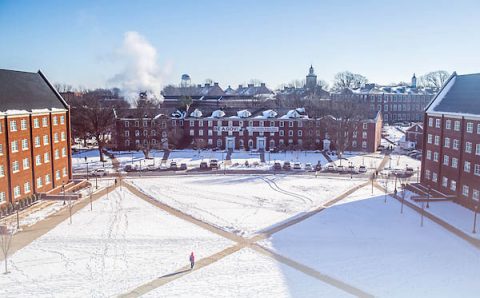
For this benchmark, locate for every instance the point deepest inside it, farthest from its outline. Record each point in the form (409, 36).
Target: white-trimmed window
(468, 147)
(36, 123)
(478, 129)
(64, 152)
(127, 124)
(44, 122)
(24, 144)
(448, 124)
(57, 175)
(476, 195)
(47, 179)
(46, 157)
(434, 177)
(13, 125)
(192, 132)
(2, 171)
(300, 132)
(469, 127)
(429, 154)
(454, 162)
(2, 196)
(477, 149)
(26, 187)
(430, 122)
(427, 174)
(64, 172)
(290, 133)
(62, 136)
(281, 133)
(445, 181)
(127, 133)
(453, 185)
(45, 140)
(476, 169)
(55, 120)
(37, 141)
(466, 167)
(57, 154)
(364, 144)
(137, 133)
(429, 138)
(446, 160)
(1, 149)
(465, 190)
(23, 124)
(447, 143)
(15, 166)
(26, 163)
(456, 125)
(55, 137)
(16, 191)
(14, 146)
(282, 124)
(437, 123)
(62, 119)
(364, 135)
(38, 160)
(435, 156)
(437, 140)
(39, 182)
(455, 144)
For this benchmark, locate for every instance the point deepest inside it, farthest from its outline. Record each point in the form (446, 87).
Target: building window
(127, 143)
(300, 133)
(281, 133)
(2, 171)
(62, 136)
(55, 137)
(466, 167)
(57, 174)
(445, 182)
(465, 190)
(38, 160)
(210, 132)
(153, 133)
(15, 166)
(453, 185)
(26, 163)
(282, 124)
(2, 197)
(192, 132)
(64, 172)
(447, 143)
(364, 144)
(13, 125)
(469, 127)
(219, 143)
(354, 144)
(127, 133)
(39, 182)
(127, 124)
(477, 149)
(45, 140)
(44, 122)
(200, 132)
(36, 123)
(37, 141)
(364, 135)
(145, 133)
(137, 133)
(476, 195)
(64, 151)
(456, 125)
(430, 121)
(46, 157)
(290, 123)
(23, 124)
(454, 162)
(476, 170)
(62, 119)
(468, 147)
(478, 129)
(437, 123)
(448, 124)
(290, 133)
(427, 174)
(429, 154)
(26, 187)
(446, 160)
(47, 179)
(429, 138)
(456, 144)
(57, 154)
(55, 120)
(435, 156)
(24, 144)
(14, 146)
(434, 177)
(16, 191)
(365, 125)
(145, 123)
(137, 123)
(192, 123)
(437, 140)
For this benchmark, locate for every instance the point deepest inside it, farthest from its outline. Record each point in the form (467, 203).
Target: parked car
(340, 169)
(351, 168)
(308, 167)
(173, 165)
(99, 173)
(183, 166)
(297, 166)
(214, 164)
(287, 166)
(203, 165)
(409, 170)
(277, 166)
(330, 168)
(362, 169)
(128, 168)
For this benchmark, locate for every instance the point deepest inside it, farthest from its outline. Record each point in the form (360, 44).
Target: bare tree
(62, 87)
(346, 79)
(434, 79)
(6, 235)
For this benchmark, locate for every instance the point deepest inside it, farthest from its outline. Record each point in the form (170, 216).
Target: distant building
(451, 140)
(311, 79)
(414, 136)
(310, 89)
(396, 103)
(35, 137)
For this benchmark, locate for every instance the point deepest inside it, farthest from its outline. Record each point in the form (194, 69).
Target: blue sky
(231, 42)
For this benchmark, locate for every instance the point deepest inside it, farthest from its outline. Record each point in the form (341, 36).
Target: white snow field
(244, 204)
(93, 159)
(247, 273)
(123, 243)
(370, 245)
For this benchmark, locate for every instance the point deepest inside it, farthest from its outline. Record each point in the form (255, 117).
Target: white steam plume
(141, 71)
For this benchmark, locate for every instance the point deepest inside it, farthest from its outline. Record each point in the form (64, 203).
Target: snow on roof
(196, 113)
(244, 114)
(15, 112)
(295, 114)
(269, 114)
(218, 114)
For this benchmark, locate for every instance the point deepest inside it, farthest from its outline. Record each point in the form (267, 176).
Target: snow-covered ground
(369, 244)
(122, 243)
(247, 273)
(93, 158)
(394, 134)
(244, 204)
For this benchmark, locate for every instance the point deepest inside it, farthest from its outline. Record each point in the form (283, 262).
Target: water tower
(185, 82)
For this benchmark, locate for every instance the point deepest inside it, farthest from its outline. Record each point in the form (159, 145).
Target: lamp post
(18, 219)
(96, 181)
(475, 217)
(63, 191)
(90, 192)
(403, 197)
(86, 161)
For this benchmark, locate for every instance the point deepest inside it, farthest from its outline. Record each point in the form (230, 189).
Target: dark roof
(26, 91)
(463, 97)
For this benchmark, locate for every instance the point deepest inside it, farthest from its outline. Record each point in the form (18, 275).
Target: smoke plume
(141, 72)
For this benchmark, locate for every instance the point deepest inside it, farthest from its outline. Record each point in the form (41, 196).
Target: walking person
(192, 260)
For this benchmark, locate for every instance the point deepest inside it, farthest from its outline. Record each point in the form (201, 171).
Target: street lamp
(18, 219)
(90, 192)
(86, 161)
(63, 191)
(96, 182)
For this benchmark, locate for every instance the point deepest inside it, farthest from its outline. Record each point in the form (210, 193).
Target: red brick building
(451, 143)
(34, 136)
(414, 135)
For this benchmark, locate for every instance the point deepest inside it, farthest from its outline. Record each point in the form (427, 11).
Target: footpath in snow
(122, 243)
(369, 244)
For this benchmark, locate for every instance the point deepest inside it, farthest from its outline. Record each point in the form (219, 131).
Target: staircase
(423, 194)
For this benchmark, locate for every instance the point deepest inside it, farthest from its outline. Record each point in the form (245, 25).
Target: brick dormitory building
(34, 137)
(451, 144)
(242, 130)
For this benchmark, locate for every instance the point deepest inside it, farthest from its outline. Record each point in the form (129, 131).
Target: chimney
(262, 84)
(250, 85)
(199, 86)
(215, 84)
(207, 85)
(240, 86)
